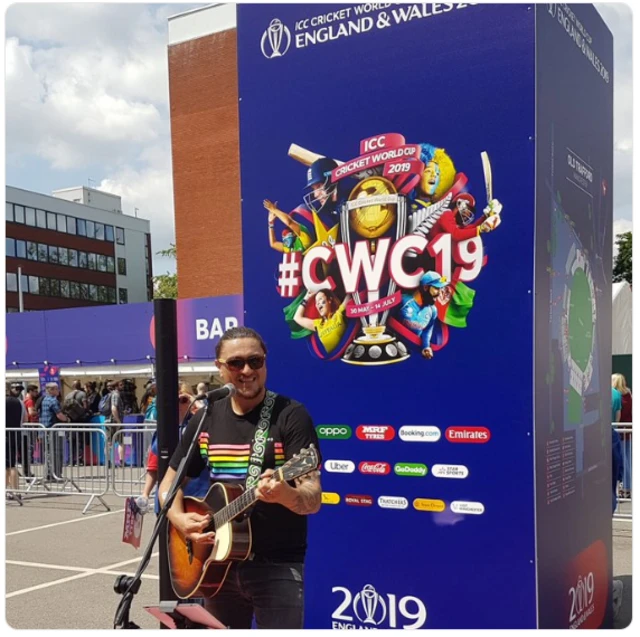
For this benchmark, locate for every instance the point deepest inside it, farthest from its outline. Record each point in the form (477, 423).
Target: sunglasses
(238, 364)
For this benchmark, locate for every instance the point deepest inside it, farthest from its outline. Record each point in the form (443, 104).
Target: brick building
(74, 248)
(203, 85)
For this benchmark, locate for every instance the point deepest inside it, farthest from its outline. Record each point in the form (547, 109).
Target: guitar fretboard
(234, 509)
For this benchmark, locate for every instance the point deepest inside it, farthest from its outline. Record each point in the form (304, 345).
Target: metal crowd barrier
(60, 460)
(129, 449)
(624, 509)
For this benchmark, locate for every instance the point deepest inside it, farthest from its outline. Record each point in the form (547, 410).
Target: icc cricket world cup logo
(373, 209)
(369, 607)
(276, 40)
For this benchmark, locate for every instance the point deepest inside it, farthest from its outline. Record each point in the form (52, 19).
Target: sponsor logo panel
(392, 502)
(477, 435)
(426, 504)
(375, 432)
(449, 471)
(410, 469)
(333, 432)
(374, 468)
(339, 466)
(330, 498)
(419, 433)
(358, 500)
(471, 508)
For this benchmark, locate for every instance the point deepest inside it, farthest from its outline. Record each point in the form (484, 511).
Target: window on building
(41, 218)
(73, 258)
(12, 282)
(64, 289)
(12, 310)
(120, 236)
(34, 287)
(93, 292)
(9, 213)
(53, 254)
(122, 266)
(91, 230)
(63, 256)
(24, 281)
(91, 260)
(45, 288)
(43, 253)
(108, 233)
(123, 296)
(54, 287)
(81, 227)
(11, 247)
(103, 297)
(111, 294)
(74, 290)
(30, 217)
(21, 249)
(102, 263)
(100, 231)
(19, 214)
(111, 265)
(32, 251)
(84, 291)
(62, 223)
(51, 221)
(71, 225)
(82, 260)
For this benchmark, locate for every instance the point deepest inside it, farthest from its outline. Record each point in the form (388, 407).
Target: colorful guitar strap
(259, 445)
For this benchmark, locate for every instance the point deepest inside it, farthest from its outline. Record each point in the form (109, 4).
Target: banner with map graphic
(387, 171)
(574, 204)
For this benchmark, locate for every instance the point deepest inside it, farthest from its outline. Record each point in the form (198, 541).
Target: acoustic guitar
(200, 569)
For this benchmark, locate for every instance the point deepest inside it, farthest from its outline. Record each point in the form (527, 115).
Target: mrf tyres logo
(368, 608)
(333, 432)
(375, 432)
(276, 40)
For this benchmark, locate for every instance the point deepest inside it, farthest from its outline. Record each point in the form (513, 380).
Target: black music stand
(180, 615)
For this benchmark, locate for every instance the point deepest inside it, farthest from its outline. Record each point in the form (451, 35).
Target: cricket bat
(305, 156)
(488, 178)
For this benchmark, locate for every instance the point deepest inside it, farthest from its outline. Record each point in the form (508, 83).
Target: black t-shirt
(278, 533)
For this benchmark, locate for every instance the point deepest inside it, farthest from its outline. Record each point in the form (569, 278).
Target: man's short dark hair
(33, 388)
(239, 332)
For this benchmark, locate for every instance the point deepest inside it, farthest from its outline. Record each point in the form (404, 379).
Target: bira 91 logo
(370, 609)
(375, 468)
(375, 432)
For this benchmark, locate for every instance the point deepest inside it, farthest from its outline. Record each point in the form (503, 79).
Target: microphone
(218, 394)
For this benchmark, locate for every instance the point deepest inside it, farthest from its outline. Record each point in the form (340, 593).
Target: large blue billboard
(388, 234)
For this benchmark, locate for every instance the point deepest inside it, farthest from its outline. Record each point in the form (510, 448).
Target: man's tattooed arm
(306, 498)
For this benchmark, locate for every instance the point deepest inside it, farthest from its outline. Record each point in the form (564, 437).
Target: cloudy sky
(87, 98)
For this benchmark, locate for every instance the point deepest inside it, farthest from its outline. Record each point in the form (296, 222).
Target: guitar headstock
(302, 463)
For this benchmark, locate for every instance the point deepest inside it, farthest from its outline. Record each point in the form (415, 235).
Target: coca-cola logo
(359, 500)
(375, 432)
(375, 468)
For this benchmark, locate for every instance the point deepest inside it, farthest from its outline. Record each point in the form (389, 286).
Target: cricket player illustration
(418, 311)
(295, 237)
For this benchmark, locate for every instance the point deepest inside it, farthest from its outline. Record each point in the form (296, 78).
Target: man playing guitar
(269, 584)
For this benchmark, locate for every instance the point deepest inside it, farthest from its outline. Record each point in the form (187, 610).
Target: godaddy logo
(410, 469)
(334, 432)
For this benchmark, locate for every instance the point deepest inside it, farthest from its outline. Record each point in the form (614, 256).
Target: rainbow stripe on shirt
(231, 462)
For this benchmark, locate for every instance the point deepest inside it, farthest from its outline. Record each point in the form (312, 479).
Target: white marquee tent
(621, 325)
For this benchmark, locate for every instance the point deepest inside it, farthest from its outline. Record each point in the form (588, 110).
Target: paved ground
(61, 565)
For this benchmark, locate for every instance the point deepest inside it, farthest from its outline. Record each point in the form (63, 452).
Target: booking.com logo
(333, 432)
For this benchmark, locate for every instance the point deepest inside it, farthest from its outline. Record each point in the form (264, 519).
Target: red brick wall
(203, 86)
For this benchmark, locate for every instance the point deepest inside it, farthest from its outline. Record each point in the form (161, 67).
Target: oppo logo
(340, 466)
(410, 469)
(471, 508)
(375, 432)
(392, 502)
(419, 433)
(468, 434)
(335, 432)
(358, 500)
(375, 468)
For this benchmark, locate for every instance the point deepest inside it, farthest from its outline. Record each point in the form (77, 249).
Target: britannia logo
(369, 607)
(276, 40)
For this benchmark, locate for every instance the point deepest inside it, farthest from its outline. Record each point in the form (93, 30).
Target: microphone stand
(128, 586)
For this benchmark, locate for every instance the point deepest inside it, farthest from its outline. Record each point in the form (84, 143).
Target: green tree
(622, 267)
(165, 286)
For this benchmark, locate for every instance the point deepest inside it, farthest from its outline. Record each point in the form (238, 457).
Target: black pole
(166, 325)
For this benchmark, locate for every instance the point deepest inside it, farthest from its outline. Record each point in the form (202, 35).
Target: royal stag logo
(369, 607)
(276, 40)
